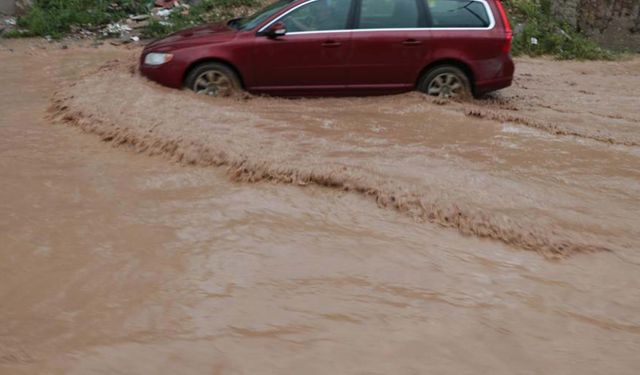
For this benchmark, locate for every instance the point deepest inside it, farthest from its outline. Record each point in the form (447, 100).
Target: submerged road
(388, 235)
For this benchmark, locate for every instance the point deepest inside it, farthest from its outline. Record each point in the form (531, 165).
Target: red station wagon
(447, 48)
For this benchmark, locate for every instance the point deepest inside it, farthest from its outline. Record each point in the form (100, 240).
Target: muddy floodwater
(145, 230)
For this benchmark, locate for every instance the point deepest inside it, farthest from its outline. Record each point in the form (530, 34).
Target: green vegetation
(529, 18)
(206, 11)
(56, 17)
(534, 19)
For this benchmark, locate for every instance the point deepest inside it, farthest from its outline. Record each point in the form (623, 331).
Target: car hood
(206, 34)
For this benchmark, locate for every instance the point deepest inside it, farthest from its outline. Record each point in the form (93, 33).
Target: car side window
(458, 13)
(319, 15)
(389, 14)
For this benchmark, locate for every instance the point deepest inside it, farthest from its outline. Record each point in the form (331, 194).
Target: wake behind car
(447, 48)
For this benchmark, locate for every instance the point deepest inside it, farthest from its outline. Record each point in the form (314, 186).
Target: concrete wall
(612, 23)
(8, 7)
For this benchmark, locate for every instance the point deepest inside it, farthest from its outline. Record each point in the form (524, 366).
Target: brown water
(378, 236)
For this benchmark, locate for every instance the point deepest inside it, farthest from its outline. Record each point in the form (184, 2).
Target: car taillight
(507, 27)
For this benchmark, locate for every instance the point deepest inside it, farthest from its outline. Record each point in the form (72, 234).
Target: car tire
(213, 79)
(445, 81)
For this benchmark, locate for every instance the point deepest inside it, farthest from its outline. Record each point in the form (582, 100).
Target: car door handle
(411, 42)
(331, 43)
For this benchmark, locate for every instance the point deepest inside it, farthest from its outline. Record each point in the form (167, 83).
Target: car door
(312, 55)
(389, 44)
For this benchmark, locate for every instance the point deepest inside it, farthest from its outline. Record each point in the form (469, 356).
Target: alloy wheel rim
(213, 83)
(446, 85)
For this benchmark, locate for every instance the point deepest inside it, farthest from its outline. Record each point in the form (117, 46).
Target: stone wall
(23, 6)
(8, 7)
(613, 24)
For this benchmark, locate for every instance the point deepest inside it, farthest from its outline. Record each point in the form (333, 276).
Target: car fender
(450, 56)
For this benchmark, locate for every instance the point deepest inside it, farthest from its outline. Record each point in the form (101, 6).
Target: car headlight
(155, 58)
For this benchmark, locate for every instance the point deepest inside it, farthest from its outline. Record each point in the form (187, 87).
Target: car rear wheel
(213, 79)
(446, 82)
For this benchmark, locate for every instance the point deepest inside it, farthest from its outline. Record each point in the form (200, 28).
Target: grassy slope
(56, 18)
(534, 19)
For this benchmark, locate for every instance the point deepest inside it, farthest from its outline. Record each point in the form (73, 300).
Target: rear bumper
(498, 75)
(493, 85)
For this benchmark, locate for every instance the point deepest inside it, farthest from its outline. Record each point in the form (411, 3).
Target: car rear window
(458, 13)
(388, 14)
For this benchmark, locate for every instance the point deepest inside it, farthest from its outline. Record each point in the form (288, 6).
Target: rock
(518, 29)
(125, 41)
(163, 13)
(23, 7)
(137, 24)
(116, 29)
(141, 24)
(140, 17)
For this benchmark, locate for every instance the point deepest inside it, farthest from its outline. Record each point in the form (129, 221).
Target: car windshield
(248, 23)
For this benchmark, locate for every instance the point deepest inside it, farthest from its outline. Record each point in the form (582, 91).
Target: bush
(531, 18)
(534, 19)
(206, 11)
(56, 17)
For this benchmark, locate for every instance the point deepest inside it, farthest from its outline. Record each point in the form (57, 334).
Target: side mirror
(276, 30)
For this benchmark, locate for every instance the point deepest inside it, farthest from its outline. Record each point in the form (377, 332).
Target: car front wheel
(446, 82)
(213, 79)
